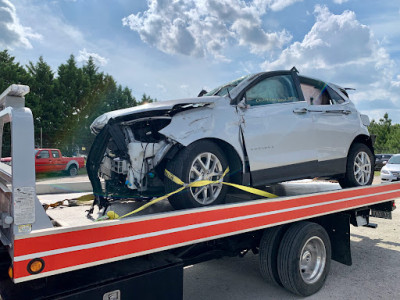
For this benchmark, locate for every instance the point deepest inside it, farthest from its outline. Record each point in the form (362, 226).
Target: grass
(52, 175)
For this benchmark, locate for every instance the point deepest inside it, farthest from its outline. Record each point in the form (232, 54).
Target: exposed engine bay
(128, 155)
(146, 147)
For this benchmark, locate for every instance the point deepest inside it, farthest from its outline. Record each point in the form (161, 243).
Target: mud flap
(338, 228)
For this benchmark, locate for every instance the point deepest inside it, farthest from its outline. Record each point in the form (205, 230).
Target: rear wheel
(269, 246)
(202, 160)
(359, 168)
(304, 258)
(72, 171)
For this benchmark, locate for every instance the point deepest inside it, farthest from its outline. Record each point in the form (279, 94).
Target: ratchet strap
(199, 183)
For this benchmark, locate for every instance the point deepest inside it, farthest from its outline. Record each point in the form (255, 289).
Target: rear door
(336, 123)
(57, 161)
(278, 132)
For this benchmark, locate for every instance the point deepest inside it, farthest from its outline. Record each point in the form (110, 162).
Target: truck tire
(304, 258)
(269, 246)
(359, 167)
(72, 171)
(200, 160)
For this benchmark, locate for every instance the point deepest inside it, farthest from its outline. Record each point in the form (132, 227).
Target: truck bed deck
(67, 216)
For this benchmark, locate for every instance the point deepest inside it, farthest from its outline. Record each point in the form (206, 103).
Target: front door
(278, 132)
(43, 161)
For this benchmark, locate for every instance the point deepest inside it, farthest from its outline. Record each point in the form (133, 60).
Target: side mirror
(202, 93)
(242, 104)
(385, 162)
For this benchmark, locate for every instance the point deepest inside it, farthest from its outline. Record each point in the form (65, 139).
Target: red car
(51, 160)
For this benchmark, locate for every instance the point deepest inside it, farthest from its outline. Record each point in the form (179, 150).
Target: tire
(187, 166)
(269, 247)
(72, 171)
(304, 258)
(361, 173)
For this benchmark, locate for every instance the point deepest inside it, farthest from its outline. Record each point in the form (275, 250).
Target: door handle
(302, 110)
(339, 111)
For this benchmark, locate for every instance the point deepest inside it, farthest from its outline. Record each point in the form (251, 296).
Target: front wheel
(202, 160)
(359, 168)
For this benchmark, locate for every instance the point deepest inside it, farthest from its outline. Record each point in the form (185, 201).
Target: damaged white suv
(267, 127)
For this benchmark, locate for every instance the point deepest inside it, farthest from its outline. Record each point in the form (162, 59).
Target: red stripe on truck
(143, 239)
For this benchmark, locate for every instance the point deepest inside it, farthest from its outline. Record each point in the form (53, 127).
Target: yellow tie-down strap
(199, 183)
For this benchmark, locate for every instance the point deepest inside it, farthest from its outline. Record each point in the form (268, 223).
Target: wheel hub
(312, 260)
(206, 166)
(362, 168)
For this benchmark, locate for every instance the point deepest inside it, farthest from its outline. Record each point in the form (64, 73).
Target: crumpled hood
(161, 106)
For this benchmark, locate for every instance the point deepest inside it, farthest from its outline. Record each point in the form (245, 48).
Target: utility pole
(41, 138)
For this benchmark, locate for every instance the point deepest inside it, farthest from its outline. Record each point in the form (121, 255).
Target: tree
(43, 103)
(65, 105)
(147, 99)
(382, 130)
(10, 71)
(393, 142)
(71, 86)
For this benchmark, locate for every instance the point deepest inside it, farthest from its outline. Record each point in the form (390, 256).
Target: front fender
(219, 122)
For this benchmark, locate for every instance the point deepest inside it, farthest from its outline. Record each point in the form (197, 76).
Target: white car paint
(277, 136)
(391, 171)
(271, 136)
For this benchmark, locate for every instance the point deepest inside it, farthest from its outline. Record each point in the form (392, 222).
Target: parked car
(267, 127)
(391, 171)
(51, 160)
(381, 160)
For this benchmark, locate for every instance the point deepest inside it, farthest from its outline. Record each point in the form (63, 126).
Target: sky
(171, 49)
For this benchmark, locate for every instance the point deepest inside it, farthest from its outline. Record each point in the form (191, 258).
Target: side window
(316, 95)
(44, 154)
(320, 94)
(335, 96)
(277, 89)
(55, 154)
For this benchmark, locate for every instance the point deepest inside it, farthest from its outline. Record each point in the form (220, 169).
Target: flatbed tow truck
(143, 256)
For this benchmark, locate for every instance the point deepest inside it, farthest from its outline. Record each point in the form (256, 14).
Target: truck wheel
(202, 160)
(359, 168)
(73, 171)
(269, 246)
(304, 258)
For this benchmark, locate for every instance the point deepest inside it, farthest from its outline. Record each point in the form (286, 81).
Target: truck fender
(70, 163)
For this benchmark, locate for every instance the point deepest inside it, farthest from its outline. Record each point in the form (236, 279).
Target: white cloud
(333, 40)
(277, 5)
(12, 33)
(396, 83)
(340, 49)
(206, 27)
(84, 57)
(340, 1)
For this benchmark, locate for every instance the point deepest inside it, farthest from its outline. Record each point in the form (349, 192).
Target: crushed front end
(129, 153)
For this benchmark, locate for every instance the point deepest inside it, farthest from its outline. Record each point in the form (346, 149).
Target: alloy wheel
(206, 166)
(362, 168)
